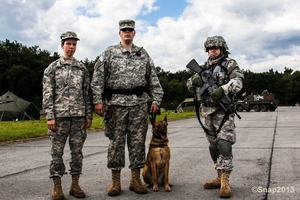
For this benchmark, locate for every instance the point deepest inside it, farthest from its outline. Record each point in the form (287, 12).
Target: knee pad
(225, 148)
(214, 152)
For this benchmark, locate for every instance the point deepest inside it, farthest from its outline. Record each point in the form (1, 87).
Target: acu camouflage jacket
(66, 90)
(120, 69)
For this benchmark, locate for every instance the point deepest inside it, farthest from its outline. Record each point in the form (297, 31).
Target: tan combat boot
(115, 186)
(135, 182)
(225, 191)
(216, 183)
(57, 193)
(75, 189)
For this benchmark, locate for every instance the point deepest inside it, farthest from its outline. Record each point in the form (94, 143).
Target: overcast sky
(261, 35)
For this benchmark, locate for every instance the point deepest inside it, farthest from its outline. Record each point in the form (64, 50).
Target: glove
(196, 80)
(217, 94)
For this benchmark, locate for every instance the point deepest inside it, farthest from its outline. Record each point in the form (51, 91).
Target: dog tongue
(163, 136)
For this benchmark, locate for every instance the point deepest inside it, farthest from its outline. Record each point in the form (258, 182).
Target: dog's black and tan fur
(156, 169)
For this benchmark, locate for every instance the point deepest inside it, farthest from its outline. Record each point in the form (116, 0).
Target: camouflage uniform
(67, 99)
(227, 75)
(126, 115)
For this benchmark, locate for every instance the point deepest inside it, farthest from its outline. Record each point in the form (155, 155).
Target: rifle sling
(198, 116)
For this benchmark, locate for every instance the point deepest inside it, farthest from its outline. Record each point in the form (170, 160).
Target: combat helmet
(215, 41)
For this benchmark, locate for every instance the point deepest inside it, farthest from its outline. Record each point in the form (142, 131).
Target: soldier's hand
(154, 108)
(196, 80)
(217, 94)
(51, 124)
(88, 123)
(99, 109)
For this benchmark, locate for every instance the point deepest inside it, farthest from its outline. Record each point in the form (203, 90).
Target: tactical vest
(216, 72)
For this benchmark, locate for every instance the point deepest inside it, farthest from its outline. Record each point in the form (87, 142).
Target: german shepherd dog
(156, 168)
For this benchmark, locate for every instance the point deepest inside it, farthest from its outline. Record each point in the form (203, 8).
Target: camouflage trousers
(221, 143)
(126, 123)
(74, 128)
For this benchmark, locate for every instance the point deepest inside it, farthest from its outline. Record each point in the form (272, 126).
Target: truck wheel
(272, 108)
(240, 108)
(256, 108)
(263, 108)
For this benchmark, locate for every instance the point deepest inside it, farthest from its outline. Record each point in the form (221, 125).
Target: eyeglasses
(127, 29)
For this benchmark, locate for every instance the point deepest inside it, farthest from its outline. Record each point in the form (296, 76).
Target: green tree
(22, 67)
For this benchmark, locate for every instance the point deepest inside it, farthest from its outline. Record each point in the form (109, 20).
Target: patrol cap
(126, 23)
(68, 35)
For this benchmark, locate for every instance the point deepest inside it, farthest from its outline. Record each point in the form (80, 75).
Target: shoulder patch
(232, 65)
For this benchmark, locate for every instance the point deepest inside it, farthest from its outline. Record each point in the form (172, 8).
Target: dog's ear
(152, 120)
(165, 118)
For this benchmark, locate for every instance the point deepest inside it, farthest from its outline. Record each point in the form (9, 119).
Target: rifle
(225, 102)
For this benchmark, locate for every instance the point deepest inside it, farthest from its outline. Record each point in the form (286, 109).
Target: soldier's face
(69, 47)
(127, 34)
(214, 52)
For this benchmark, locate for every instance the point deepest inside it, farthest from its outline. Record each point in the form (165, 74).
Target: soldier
(125, 75)
(68, 108)
(229, 81)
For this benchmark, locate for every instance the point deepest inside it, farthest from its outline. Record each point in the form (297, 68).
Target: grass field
(12, 131)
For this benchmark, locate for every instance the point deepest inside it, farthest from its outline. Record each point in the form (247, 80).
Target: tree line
(22, 67)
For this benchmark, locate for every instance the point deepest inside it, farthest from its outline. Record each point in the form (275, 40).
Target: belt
(137, 91)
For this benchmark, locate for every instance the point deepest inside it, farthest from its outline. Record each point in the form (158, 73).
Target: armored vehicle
(258, 102)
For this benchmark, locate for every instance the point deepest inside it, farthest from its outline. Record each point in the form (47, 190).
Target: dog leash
(153, 115)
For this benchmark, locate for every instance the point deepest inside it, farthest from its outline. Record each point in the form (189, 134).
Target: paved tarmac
(266, 163)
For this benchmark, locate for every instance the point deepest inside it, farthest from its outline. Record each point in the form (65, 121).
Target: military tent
(13, 107)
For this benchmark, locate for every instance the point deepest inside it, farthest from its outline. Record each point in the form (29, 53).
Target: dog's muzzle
(161, 134)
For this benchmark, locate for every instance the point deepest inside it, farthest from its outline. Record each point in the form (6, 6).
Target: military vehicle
(258, 102)
(186, 106)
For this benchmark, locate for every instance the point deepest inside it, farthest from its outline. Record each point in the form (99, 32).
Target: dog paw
(147, 185)
(168, 187)
(155, 188)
